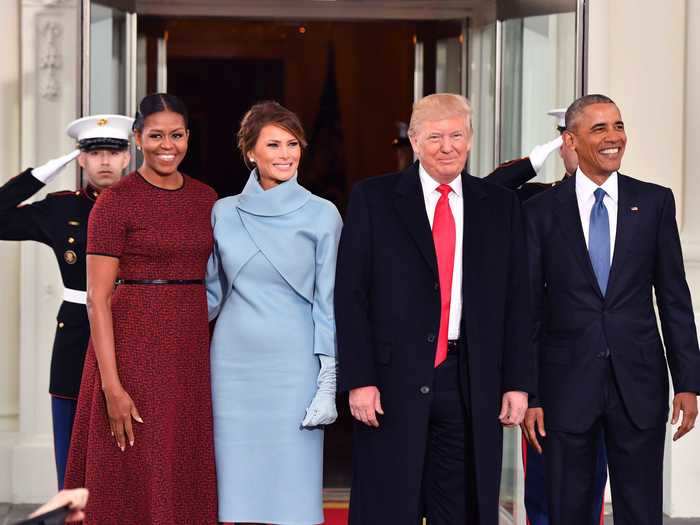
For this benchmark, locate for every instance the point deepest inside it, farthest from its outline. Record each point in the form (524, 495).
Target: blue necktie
(599, 240)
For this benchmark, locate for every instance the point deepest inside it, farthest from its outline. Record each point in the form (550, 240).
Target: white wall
(9, 252)
(644, 54)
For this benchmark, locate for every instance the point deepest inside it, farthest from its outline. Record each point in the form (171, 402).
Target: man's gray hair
(574, 111)
(439, 106)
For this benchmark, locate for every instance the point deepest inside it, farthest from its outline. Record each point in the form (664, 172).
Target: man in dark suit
(432, 336)
(60, 222)
(599, 243)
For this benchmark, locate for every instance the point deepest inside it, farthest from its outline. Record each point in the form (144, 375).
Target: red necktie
(444, 239)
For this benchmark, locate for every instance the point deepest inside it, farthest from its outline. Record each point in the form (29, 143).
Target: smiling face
(103, 167)
(442, 147)
(163, 141)
(276, 155)
(598, 138)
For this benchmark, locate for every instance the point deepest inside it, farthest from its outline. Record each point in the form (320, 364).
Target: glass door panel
(538, 74)
(539, 69)
(109, 58)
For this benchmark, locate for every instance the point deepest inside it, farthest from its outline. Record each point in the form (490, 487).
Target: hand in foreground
(365, 405)
(532, 425)
(513, 408)
(48, 171)
(688, 403)
(120, 410)
(322, 409)
(75, 498)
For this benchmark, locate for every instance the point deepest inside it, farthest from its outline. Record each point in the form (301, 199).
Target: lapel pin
(634, 208)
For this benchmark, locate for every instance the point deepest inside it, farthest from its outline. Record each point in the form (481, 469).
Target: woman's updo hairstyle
(264, 114)
(156, 103)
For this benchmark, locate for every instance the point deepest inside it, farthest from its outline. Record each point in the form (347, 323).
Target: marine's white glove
(540, 153)
(48, 171)
(322, 409)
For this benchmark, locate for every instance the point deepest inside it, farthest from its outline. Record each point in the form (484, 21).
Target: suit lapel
(627, 219)
(570, 225)
(410, 205)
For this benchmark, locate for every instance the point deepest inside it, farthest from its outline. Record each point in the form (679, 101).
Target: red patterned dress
(162, 349)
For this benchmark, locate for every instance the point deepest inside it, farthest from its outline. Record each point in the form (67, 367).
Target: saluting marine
(60, 221)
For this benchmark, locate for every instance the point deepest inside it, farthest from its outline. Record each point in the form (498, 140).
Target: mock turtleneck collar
(280, 200)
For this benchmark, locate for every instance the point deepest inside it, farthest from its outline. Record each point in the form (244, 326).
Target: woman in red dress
(142, 438)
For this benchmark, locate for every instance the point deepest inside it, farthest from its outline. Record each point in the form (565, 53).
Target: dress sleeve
(107, 228)
(218, 287)
(322, 308)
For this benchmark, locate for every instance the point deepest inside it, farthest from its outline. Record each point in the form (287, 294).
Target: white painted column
(646, 57)
(9, 252)
(50, 32)
(683, 472)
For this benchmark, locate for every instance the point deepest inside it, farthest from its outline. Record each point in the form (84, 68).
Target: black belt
(453, 345)
(160, 281)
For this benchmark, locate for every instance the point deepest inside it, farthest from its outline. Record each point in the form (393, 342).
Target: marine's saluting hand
(365, 405)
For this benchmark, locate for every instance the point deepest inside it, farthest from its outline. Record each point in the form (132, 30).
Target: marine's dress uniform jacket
(60, 222)
(387, 300)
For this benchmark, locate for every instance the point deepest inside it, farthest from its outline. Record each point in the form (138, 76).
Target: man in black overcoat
(601, 246)
(432, 304)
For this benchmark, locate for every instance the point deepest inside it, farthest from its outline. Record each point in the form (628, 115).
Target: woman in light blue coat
(270, 283)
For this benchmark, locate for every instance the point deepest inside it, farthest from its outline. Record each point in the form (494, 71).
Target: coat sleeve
(24, 223)
(352, 297)
(536, 288)
(512, 174)
(675, 304)
(218, 287)
(519, 362)
(322, 310)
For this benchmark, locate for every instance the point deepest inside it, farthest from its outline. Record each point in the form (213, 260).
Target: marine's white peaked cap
(101, 131)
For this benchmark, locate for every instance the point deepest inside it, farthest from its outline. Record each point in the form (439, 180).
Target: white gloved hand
(322, 409)
(48, 171)
(540, 153)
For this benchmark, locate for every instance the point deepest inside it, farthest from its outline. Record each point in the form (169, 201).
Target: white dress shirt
(585, 189)
(456, 201)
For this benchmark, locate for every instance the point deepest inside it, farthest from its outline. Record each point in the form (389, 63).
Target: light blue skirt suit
(270, 283)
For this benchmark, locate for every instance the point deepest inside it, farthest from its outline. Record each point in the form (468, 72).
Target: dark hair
(156, 103)
(574, 111)
(263, 114)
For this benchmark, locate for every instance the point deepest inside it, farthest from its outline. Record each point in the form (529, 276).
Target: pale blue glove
(322, 409)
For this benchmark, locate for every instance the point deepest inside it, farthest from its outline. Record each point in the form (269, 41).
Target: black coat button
(436, 286)
(425, 390)
(431, 338)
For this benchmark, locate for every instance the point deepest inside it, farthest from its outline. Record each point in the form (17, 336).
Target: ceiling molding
(312, 9)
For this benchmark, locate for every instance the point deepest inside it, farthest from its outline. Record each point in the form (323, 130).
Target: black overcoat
(387, 303)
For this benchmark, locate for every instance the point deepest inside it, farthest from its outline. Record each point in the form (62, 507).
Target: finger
(504, 408)
(676, 410)
(120, 435)
(539, 419)
(135, 414)
(378, 405)
(372, 417)
(687, 425)
(75, 516)
(129, 429)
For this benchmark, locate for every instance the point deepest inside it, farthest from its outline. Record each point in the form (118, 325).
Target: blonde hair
(439, 106)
